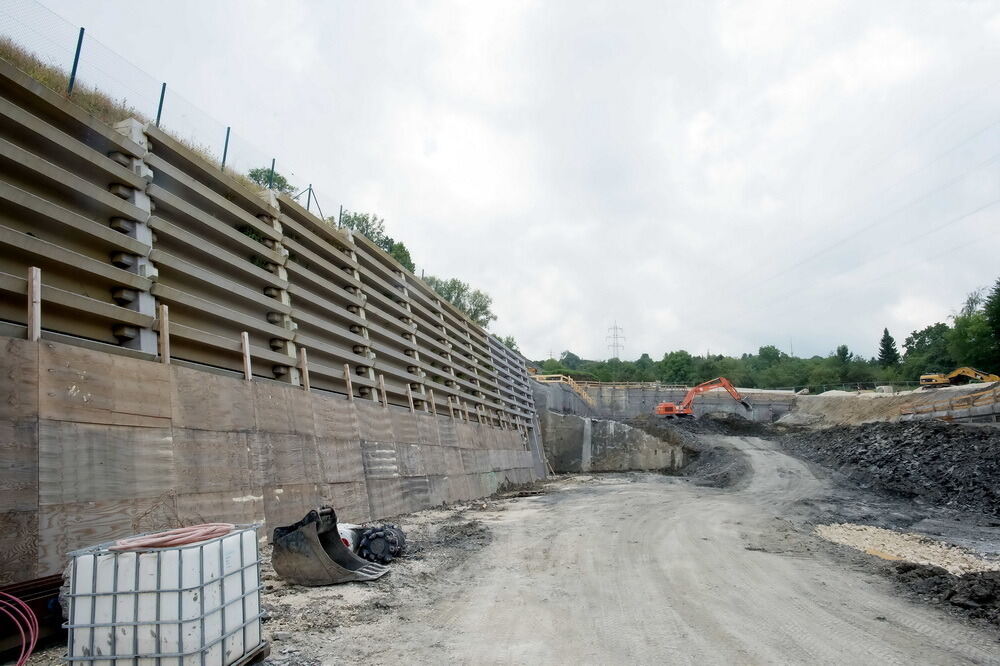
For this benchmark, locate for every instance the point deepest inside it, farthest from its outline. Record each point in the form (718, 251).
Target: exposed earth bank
(930, 462)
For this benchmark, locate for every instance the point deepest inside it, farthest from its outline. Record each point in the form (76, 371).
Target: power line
(887, 216)
(615, 340)
(990, 204)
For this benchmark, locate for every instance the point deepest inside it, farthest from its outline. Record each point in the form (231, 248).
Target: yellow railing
(629, 385)
(990, 396)
(572, 383)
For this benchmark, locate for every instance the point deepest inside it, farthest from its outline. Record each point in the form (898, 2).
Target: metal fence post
(159, 107)
(76, 61)
(225, 149)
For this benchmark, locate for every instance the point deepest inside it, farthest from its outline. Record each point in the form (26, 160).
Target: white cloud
(667, 165)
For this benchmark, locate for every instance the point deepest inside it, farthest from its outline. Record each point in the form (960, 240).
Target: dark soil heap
(976, 594)
(938, 463)
(709, 464)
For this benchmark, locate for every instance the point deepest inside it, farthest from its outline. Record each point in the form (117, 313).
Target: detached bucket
(310, 552)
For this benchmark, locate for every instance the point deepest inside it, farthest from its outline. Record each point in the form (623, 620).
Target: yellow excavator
(958, 376)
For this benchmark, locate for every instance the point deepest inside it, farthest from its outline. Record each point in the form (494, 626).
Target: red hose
(26, 622)
(180, 536)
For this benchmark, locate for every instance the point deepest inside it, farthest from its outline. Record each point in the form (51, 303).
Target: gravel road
(649, 569)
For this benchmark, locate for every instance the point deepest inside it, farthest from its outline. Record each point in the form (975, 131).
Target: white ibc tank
(185, 605)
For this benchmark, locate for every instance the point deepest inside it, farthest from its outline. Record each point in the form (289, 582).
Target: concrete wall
(615, 402)
(95, 446)
(559, 398)
(582, 444)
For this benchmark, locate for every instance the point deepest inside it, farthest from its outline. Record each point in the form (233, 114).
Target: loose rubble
(955, 466)
(709, 463)
(975, 595)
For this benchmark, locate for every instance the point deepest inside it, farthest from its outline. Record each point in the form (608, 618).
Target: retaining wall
(122, 220)
(582, 444)
(96, 445)
(559, 398)
(615, 402)
(626, 402)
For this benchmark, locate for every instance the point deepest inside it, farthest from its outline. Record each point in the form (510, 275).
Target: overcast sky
(712, 175)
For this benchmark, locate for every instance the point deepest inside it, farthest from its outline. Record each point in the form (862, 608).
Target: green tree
(970, 340)
(372, 227)
(888, 355)
(279, 183)
(991, 309)
(476, 304)
(927, 351)
(570, 360)
(510, 343)
(369, 225)
(843, 355)
(677, 367)
(400, 253)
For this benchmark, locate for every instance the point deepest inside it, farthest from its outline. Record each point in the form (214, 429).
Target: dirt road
(651, 569)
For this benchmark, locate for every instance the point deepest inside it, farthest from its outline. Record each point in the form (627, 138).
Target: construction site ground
(752, 556)
(647, 568)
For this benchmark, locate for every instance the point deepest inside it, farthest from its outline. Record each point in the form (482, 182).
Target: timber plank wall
(122, 219)
(97, 446)
(98, 439)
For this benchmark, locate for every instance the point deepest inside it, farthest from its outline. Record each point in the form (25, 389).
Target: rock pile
(976, 594)
(943, 464)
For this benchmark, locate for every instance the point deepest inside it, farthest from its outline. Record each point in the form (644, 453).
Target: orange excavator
(672, 410)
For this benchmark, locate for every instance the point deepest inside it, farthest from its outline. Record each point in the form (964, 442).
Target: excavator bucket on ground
(311, 553)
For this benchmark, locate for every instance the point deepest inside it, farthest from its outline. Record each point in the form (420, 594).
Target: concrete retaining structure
(582, 444)
(627, 402)
(96, 446)
(559, 398)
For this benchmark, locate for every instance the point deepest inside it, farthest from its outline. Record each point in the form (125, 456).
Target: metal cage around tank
(191, 604)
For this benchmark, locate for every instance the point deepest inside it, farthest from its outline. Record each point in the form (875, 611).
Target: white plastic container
(195, 604)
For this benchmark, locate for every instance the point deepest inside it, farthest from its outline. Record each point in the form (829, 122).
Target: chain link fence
(35, 38)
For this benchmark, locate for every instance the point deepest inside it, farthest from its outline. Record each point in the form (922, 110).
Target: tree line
(972, 337)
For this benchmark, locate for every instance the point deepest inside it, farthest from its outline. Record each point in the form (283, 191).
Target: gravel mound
(956, 466)
(893, 545)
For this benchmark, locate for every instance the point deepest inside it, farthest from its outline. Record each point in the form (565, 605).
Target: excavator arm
(962, 375)
(671, 410)
(718, 382)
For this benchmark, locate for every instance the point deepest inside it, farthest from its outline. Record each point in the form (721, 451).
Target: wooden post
(409, 397)
(465, 407)
(347, 379)
(34, 303)
(164, 334)
(451, 408)
(434, 409)
(381, 385)
(245, 344)
(304, 368)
